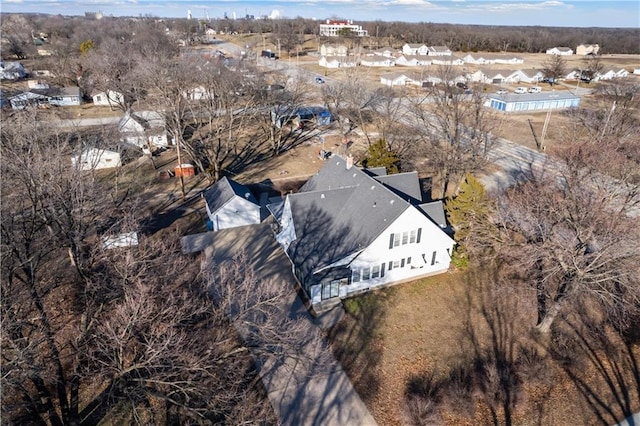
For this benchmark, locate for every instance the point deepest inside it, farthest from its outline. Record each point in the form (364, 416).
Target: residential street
(297, 396)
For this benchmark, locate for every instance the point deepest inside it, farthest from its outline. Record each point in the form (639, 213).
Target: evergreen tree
(469, 213)
(379, 155)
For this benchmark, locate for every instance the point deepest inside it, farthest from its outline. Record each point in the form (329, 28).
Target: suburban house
(330, 50)
(396, 79)
(446, 60)
(143, 129)
(525, 76)
(561, 51)
(527, 102)
(377, 61)
(51, 96)
(230, 204)
(338, 61)
(37, 84)
(96, 159)
(493, 76)
(415, 49)
(349, 230)
(611, 74)
(636, 71)
(413, 60)
(587, 49)
(438, 51)
(11, 70)
(335, 28)
(386, 52)
(573, 75)
(490, 58)
(110, 98)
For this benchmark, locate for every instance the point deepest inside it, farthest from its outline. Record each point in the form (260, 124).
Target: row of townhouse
(489, 76)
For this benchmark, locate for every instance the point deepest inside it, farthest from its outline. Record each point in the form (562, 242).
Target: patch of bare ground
(415, 334)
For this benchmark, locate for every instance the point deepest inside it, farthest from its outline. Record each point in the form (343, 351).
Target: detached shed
(230, 204)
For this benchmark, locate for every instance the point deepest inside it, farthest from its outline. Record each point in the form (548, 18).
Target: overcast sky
(506, 12)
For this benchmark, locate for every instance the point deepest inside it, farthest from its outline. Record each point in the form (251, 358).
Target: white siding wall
(288, 232)
(237, 212)
(432, 239)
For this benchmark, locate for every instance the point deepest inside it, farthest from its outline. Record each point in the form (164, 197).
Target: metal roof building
(525, 102)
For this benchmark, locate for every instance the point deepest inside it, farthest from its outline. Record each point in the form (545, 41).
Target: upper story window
(407, 237)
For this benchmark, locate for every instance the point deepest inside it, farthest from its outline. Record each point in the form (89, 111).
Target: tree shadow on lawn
(357, 340)
(497, 356)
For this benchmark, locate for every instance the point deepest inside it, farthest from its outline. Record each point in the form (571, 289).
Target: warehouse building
(544, 101)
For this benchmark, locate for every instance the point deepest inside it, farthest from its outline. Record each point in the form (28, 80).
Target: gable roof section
(435, 211)
(223, 191)
(338, 212)
(405, 185)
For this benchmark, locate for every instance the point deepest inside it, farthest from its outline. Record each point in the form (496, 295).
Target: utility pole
(177, 142)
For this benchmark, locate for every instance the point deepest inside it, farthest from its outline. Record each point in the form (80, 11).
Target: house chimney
(349, 164)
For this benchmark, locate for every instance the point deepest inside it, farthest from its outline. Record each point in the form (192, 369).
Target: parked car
(502, 92)
(462, 85)
(520, 90)
(319, 80)
(535, 89)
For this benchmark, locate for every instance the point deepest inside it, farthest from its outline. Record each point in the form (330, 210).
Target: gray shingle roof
(405, 185)
(223, 191)
(435, 211)
(339, 211)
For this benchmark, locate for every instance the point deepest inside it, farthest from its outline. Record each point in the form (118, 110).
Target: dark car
(319, 80)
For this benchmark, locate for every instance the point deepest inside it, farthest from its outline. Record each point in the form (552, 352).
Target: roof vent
(374, 204)
(321, 195)
(373, 187)
(392, 201)
(247, 195)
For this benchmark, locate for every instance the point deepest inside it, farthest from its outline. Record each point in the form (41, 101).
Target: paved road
(298, 397)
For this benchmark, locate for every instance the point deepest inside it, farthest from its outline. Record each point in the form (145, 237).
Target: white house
(606, 75)
(53, 96)
(377, 61)
(338, 61)
(395, 79)
(349, 231)
(96, 159)
(495, 76)
(333, 50)
(636, 71)
(561, 51)
(334, 28)
(573, 75)
(587, 49)
(622, 73)
(438, 51)
(386, 52)
(413, 60)
(489, 58)
(37, 84)
(110, 98)
(230, 204)
(415, 49)
(446, 60)
(143, 129)
(525, 76)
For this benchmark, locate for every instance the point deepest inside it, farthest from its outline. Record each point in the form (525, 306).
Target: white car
(520, 90)
(502, 92)
(535, 89)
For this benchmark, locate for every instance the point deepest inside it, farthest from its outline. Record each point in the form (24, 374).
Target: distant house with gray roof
(230, 204)
(351, 230)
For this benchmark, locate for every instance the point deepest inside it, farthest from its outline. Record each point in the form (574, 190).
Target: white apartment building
(332, 28)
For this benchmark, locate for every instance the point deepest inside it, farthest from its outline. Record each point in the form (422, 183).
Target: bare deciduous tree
(456, 132)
